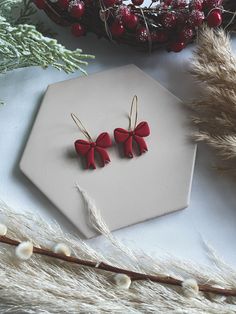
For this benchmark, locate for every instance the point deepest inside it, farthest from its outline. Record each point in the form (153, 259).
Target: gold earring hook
(81, 126)
(134, 108)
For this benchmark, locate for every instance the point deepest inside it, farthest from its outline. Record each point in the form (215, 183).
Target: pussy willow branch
(109, 268)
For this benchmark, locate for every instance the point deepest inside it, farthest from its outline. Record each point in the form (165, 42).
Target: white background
(212, 212)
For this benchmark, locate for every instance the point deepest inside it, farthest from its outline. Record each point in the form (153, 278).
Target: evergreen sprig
(22, 45)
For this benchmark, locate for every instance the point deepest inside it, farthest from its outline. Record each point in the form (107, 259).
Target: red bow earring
(88, 148)
(134, 133)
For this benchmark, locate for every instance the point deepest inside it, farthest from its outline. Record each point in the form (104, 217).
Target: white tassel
(97, 222)
(3, 230)
(190, 288)
(94, 213)
(122, 281)
(24, 250)
(62, 248)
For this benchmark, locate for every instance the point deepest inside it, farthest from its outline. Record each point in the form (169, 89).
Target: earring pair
(135, 133)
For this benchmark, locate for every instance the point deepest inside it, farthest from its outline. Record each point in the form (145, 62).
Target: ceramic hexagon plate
(127, 191)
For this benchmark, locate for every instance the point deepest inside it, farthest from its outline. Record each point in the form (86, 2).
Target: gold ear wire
(81, 126)
(134, 108)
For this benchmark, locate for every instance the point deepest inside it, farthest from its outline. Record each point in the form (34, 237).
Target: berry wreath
(164, 23)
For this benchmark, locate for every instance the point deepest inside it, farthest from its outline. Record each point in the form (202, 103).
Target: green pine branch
(22, 45)
(26, 11)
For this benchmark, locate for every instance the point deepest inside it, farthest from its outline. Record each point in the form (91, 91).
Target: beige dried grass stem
(214, 113)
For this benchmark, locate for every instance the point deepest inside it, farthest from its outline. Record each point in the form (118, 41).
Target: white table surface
(212, 212)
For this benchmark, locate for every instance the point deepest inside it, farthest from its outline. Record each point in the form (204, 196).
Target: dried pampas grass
(214, 67)
(46, 285)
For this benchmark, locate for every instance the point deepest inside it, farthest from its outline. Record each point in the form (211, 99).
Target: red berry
(179, 4)
(131, 21)
(124, 12)
(196, 18)
(76, 8)
(109, 3)
(186, 34)
(117, 28)
(169, 20)
(40, 4)
(214, 19)
(63, 4)
(159, 37)
(196, 5)
(137, 2)
(77, 30)
(177, 46)
(142, 34)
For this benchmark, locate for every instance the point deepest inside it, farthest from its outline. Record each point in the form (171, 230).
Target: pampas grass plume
(214, 114)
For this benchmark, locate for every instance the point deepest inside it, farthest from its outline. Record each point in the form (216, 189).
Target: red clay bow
(127, 137)
(88, 149)
(134, 133)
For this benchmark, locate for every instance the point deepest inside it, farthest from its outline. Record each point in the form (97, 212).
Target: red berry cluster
(171, 22)
(178, 19)
(190, 18)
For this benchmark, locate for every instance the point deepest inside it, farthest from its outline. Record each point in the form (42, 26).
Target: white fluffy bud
(122, 281)
(24, 250)
(190, 287)
(62, 248)
(3, 230)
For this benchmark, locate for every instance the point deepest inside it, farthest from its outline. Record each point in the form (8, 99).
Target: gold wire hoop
(81, 126)
(133, 109)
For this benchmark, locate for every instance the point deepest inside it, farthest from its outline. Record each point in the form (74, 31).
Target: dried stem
(214, 111)
(109, 268)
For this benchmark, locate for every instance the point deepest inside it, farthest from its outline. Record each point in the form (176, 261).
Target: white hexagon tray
(127, 191)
